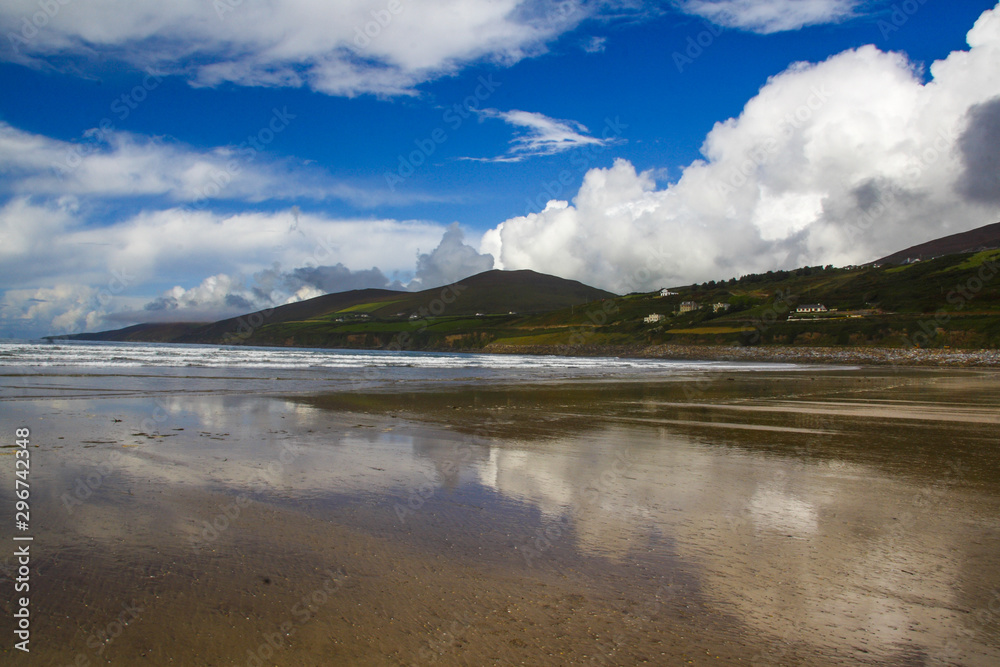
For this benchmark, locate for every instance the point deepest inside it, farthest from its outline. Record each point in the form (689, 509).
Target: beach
(868, 356)
(644, 515)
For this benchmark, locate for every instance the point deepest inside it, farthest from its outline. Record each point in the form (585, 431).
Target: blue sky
(195, 160)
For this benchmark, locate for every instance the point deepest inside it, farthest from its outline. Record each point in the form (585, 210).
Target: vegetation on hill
(974, 240)
(951, 301)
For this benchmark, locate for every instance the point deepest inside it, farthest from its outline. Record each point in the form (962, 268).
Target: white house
(666, 292)
(653, 318)
(811, 308)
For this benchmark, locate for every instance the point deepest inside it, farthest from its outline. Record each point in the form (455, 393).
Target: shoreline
(864, 356)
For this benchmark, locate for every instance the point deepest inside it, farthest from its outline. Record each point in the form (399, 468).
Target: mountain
(947, 300)
(974, 240)
(337, 318)
(150, 332)
(317, 307)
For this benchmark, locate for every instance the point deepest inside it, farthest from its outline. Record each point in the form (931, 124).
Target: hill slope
(322, 320)
(947, 301)
(974, 240)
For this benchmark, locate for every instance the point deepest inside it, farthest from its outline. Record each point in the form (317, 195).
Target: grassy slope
(949, 301)
(141, 333)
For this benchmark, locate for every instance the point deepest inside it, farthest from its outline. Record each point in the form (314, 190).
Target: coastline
(826, 355)
(864, 356)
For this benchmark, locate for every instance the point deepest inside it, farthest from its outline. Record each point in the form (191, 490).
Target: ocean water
(316, 367)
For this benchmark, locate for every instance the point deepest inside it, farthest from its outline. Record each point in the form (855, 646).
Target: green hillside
(449, 315)
(948, 301)
(951, 301)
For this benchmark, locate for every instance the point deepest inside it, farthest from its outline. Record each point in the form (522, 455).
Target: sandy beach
(823, 516)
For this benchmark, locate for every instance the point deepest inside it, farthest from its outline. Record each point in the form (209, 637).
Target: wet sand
(843, 516)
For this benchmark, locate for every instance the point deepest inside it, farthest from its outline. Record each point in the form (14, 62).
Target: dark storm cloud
(980, 150)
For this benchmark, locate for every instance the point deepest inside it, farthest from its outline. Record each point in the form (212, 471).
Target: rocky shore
(865, 356)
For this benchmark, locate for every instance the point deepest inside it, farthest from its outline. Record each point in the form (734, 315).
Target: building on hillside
(716, 307)
(666, 292)
(689, 306)
(811, 308)
(653, 318)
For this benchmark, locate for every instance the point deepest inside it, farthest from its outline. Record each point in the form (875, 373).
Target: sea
(128, 366)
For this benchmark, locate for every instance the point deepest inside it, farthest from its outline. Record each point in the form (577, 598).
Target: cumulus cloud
(980, 150)
(338, 278)
(51, 245)
(220, 296)
(116, 164)
(100, 278)
(540, 135)
(770, 16)
(344, 48)
(450, 261)
(838, 162)
(216, 294)
(50, 242)
(63, 308)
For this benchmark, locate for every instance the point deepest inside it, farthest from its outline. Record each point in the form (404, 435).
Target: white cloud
(595, 44)
(117, 164)
(838, 162)
(450, 261)
(341, 48)
(540, 135)
(62, 274)
(770, 16)
(64, 308)
(47, 243)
